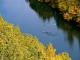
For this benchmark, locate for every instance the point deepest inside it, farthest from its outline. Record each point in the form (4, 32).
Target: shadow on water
(46, 12)
(70, 28)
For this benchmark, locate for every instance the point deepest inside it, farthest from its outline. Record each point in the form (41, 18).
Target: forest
(15, 45)
(69, 9)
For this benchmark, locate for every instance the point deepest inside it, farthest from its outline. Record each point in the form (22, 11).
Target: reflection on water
(45, 12)
(69, 28)
(71, 32)
(33, 17)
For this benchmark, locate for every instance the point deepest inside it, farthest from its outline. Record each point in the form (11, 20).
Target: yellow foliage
(69, 8)
(73, 10)
(50, 51)
(15, 45)
(62, 6)
(67, 16)
(78, 19)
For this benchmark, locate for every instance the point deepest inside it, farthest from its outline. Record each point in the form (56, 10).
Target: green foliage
(15, 45)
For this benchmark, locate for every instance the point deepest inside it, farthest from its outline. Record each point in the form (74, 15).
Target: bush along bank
(70, 9)
(15, 45)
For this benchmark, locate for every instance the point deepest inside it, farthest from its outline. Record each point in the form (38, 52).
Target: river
(34, 18)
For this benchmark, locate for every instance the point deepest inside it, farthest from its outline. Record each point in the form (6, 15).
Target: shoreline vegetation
(15, 45)
(69, 9)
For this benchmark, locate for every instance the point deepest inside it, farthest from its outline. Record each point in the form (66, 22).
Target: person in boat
(48, 33)
(44, 31)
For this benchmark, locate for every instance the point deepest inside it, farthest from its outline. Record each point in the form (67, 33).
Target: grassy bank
(15, 45)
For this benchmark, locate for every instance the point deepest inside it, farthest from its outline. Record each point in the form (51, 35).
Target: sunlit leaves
(67, 16)
(15, 45)
(50, 51)
(62, 6)
(1, 20)
(69, 8)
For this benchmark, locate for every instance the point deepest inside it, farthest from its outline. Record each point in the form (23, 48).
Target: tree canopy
(15, 45)
(70, 9)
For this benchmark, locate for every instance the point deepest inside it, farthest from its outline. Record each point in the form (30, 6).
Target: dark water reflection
(35, 17)
(69, 28)
(46, 12)
(72, 32)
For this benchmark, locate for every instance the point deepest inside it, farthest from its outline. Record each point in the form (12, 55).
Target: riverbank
(15, 45)
(70, 9)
